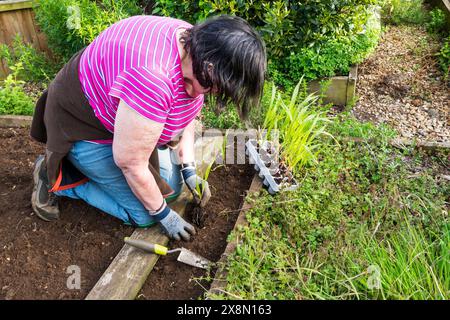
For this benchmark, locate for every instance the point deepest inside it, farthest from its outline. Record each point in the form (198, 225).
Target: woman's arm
(135, 137)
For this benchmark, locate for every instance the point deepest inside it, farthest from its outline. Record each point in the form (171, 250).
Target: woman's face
(193, 87)
(191, 84)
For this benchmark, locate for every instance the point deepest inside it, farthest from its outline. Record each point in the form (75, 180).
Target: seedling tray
(265, 173)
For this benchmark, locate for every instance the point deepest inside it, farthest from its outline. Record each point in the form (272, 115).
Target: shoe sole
(34, 193)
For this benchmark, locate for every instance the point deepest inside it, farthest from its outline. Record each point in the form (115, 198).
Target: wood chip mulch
(401, 84)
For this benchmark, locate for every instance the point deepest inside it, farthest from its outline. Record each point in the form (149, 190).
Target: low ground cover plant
(367, 222)
(13, 99)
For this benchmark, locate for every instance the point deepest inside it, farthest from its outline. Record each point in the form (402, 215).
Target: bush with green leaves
(405, 12)
(36, 66)
(288, 27)
(334, 55)
(70, 25)
(437, 21)
(13, 99)
(220, 118)
(444, 57)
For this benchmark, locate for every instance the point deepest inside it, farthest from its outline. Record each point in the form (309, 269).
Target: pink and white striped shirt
(136, 60)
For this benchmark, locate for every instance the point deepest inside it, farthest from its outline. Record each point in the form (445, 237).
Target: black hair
(229, 56)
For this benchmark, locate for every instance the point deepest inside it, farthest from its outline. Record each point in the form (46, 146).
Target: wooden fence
(17, 17)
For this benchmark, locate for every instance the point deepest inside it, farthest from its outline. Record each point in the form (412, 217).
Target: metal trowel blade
(193, 259)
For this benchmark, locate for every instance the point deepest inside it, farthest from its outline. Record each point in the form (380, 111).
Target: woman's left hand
(198, 186)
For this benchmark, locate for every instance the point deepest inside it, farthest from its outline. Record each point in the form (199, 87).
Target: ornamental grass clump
(297, 126)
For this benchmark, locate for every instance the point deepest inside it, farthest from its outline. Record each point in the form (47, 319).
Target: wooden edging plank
(219, 283)
(127, 273)
(15, 121)
(12, 5)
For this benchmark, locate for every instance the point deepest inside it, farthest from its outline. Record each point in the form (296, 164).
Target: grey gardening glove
(173, 225)
(196, 184)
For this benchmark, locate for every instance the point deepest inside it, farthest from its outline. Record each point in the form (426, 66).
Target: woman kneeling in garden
(111, 116)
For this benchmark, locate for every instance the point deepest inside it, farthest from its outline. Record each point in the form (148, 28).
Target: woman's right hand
(173, 224)
(176, 227)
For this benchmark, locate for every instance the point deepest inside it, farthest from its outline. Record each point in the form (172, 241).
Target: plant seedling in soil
(197, 212)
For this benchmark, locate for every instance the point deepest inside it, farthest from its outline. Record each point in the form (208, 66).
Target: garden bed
(35, 254)
(173, 280)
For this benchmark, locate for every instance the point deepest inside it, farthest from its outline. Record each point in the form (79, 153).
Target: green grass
(361, 214)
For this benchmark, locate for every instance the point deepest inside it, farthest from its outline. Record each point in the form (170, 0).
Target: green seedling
(200, 189)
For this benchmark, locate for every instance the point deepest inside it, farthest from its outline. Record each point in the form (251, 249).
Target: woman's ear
(210, 67)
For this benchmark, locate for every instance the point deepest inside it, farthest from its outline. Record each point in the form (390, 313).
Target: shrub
(36, 66)
(13, 99)
(444, 57)
(437, 21)
(334, 55)
(224, 118)
(405, 11)
(288, 27)
(72, 24)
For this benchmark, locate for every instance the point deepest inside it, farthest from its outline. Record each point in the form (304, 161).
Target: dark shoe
(44, 203)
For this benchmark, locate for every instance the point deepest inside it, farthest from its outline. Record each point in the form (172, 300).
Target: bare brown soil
(172, 280)
(35, 255)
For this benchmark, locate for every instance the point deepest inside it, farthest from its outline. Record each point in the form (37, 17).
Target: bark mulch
(401, 85)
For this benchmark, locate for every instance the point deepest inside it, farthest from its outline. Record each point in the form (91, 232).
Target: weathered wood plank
(127, 273)
(219, 282)
(12, 5)
(19, 21)
(15, 121)
(351, 85)
(130, 268)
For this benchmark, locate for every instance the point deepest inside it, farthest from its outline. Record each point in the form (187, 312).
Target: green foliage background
(53, 16)
(311, 38)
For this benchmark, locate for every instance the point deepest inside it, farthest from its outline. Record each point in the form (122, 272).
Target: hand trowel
(186, 256)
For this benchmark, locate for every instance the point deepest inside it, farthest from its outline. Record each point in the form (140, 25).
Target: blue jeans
(107, 188)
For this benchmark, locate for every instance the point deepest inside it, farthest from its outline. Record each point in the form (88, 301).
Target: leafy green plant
(444, 57)
(13, 99)
(297, 126)
(331, 56)
(36, 66)
(288, 27)
(200, 188)
(220, 118)
(72, 24)
(437, 21)
(405, 11)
